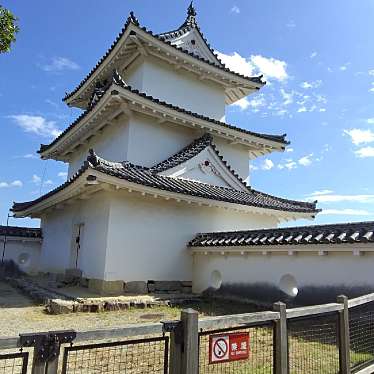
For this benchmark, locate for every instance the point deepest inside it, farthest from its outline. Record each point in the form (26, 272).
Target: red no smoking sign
(228, 347)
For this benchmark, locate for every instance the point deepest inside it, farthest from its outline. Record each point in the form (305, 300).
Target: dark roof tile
(144, 176)
(23, 232)
(119, 82)
(133, 20)
(357, 232)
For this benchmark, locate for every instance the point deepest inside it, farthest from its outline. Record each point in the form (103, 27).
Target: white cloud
(314, 84)
(336, 198)
(48, 182)
(30, 155)
(313, 54)
(59, 64)
(267, 165)
(306, 160)
(289, 164)
(371, 72)
(370, 121)
(36, 125)
(291, 24)
(253, 167)
(371, 89)
(288, 97)
(359, 136)
(365, 152)
(270, 67)
(346, 212)
(16, 183)
(243, 103)
(235, 9)
(237, 63)
(36, 179)
(289, 149)
(322, 192)
(255, 103)
(62, 174)
(302, 109)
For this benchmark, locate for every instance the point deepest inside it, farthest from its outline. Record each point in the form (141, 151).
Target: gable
(193, 42)
(206, 167)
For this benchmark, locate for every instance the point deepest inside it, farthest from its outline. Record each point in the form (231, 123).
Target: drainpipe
(5, 238)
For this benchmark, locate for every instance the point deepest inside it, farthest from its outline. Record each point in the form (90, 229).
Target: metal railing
(324, 339)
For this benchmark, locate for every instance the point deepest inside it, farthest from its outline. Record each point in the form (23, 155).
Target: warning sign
(228, 347)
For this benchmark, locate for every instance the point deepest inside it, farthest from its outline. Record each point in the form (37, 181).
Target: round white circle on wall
(215, 279)
(288, 285)
(23, 259)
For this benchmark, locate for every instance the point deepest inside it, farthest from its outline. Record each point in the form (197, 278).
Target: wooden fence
(329, 338)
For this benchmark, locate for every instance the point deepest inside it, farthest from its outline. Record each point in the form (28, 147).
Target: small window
(193, 41)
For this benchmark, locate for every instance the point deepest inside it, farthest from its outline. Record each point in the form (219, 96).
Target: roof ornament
(97, 93)
(133, 19)
(191, 16)
(92, 157)
(117, 79)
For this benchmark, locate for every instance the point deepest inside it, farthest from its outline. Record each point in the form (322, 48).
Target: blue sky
(318, 59)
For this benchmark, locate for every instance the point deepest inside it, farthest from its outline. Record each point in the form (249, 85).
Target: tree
(8, 29)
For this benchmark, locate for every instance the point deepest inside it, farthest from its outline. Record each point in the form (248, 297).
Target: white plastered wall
(177, 87)
(58, 228)
(236, 155)
(25, 252)
(308, 268)
(147, 237)
(152, 142)
(112, 145)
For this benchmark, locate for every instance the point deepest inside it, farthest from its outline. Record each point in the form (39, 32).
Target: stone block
(58, 306)
(123, 305)
(84, 282)
(186, 289)
(106, 287)
(167, 286)
(186, 283)
(72, 275)
(136, 287)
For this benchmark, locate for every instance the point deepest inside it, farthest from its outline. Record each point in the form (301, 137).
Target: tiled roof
(189, 24)
(361, 232)
(118, 81)
(191, 151)
(24, 232)
(144, 176)
(133, 20)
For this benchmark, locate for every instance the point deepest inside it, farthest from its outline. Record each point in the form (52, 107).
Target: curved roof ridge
(192, 150)
(133, 20)
(189, 24)
(143, 176)
(118, 81)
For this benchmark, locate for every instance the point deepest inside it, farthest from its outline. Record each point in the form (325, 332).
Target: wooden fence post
(38, 367)
(176, 345)
(190, 352)
(344, 340)
(281, 340)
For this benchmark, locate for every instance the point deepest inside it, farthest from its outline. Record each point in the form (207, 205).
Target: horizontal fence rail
(324, 339)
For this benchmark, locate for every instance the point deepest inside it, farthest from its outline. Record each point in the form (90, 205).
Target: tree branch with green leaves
(8, 29)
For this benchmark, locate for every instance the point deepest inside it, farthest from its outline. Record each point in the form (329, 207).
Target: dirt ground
(19, 314)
